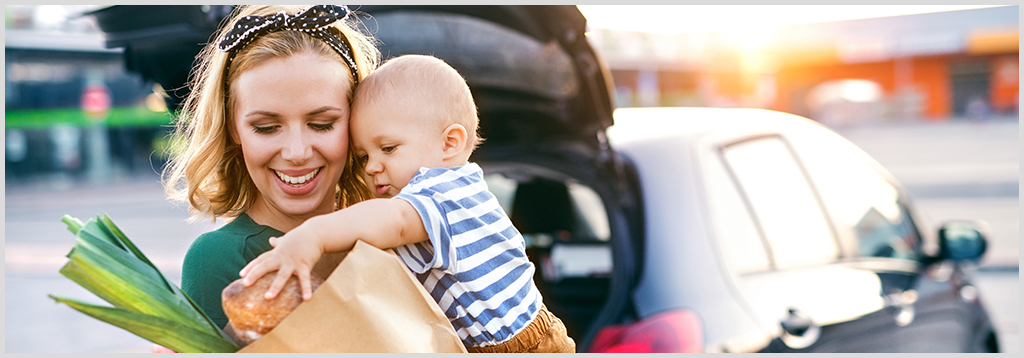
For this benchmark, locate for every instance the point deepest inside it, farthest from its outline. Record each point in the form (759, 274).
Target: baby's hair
(427, 77)
(206, 168)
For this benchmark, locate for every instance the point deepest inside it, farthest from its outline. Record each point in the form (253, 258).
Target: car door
(788, 261)
(874, 221)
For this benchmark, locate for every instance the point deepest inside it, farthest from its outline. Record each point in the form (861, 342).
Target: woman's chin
(291, 211)
(305, 201)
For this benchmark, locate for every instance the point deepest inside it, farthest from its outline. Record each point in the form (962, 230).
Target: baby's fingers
(304, 284)
(249, 266)
(275, 287)
(254, 270)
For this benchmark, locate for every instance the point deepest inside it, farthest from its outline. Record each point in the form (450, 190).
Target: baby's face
(392, 143)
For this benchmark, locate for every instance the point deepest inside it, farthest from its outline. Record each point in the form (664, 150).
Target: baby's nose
(373, 167)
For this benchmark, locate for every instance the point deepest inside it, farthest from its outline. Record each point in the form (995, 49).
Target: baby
(413, 128)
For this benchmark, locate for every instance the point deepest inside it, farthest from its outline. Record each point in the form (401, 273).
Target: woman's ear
(455, 137)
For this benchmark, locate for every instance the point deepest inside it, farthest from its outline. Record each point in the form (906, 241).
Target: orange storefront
(935, 66)
(985, 67)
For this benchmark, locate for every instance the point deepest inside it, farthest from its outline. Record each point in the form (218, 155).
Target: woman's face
(291, 120)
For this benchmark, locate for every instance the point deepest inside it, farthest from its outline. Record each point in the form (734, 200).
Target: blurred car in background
(676, 229)
(782, 236)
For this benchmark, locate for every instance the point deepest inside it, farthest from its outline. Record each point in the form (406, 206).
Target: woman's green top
(215, 258)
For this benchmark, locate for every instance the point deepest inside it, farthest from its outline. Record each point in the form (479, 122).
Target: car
(670, 229)
(802, 241)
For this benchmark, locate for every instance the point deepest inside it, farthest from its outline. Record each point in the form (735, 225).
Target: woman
(265, 132)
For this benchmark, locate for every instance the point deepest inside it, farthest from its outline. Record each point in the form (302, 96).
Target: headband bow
(315, 20)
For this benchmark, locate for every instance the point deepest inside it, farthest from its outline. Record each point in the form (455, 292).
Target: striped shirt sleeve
(427, 192)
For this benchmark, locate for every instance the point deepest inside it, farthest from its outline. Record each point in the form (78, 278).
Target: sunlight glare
(675, 19)
(750, 38)
(50, 16)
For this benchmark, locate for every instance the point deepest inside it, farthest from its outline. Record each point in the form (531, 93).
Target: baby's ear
(455, 137)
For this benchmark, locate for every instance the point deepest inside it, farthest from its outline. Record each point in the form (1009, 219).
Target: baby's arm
(383, 223)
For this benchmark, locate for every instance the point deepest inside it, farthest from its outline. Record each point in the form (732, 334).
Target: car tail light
(668, 332)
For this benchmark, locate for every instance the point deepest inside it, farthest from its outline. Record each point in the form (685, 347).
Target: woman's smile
(298, 185)
(299, 180)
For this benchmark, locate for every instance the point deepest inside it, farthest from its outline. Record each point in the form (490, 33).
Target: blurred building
(934, 66)
(70, 108)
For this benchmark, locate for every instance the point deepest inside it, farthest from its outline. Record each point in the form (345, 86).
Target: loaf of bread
(251, 315)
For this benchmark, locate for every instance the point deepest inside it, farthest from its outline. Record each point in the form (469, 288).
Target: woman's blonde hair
(207, 169)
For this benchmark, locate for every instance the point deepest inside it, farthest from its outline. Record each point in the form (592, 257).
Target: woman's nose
(297, 148)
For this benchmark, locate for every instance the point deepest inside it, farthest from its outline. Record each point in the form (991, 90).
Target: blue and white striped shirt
(475, 263)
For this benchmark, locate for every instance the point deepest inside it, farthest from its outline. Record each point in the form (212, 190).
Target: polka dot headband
(314, 20)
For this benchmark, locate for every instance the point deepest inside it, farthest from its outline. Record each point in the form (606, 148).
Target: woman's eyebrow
(262, 113)
(276, 115)
(323, 109)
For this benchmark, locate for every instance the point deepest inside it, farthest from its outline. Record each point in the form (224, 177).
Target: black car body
(628, 265)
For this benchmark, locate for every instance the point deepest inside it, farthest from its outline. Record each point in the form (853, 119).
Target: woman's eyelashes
(264, 129)
(322, 126)
(315, 126)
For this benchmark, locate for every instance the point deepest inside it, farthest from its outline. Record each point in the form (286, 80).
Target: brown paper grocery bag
(370, 303)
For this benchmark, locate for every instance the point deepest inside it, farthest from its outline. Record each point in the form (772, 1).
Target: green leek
(145, 303)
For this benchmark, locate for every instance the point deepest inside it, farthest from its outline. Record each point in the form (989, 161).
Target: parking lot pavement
(1000, 294)
(944, 153)
(36, 242)
(35, 324)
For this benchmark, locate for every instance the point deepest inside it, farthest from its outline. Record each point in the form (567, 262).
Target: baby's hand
(291, 255)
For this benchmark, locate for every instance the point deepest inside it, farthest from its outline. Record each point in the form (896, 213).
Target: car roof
(692, 123)
(642, 126)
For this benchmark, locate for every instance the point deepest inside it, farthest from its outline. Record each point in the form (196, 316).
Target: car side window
(737, 236)
(565, 221)
(866, 206)
(782, 201)
(590, 212)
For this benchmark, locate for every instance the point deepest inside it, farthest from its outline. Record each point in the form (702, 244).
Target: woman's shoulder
(228, 235)
(239, 238)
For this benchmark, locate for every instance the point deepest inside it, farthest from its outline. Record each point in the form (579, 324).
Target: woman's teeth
(297, 180)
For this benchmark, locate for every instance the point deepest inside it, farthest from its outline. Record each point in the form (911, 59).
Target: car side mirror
(961, 241)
